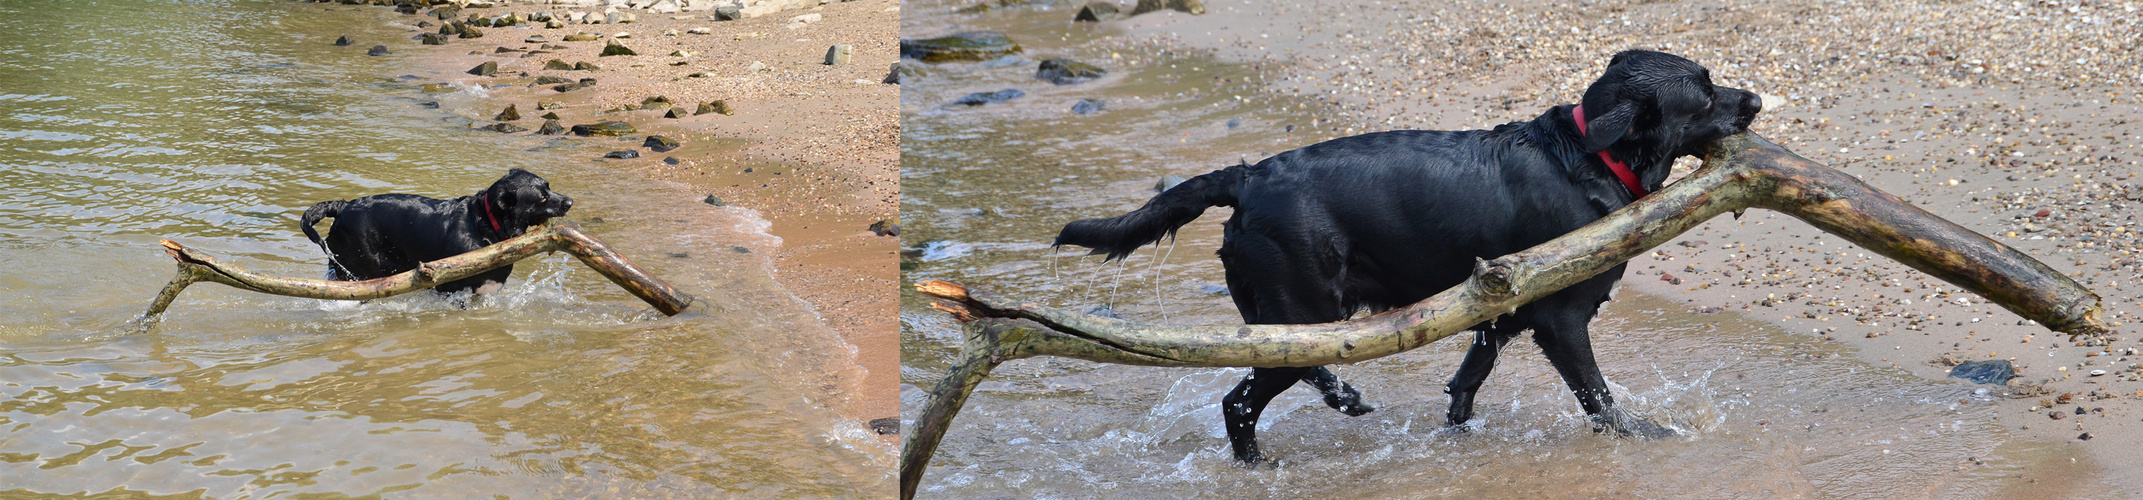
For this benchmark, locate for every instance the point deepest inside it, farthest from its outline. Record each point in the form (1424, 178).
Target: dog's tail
(1118, 236)
(313, 215)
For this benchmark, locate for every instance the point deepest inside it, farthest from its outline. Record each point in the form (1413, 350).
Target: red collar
(1622, 170)
(485, 200)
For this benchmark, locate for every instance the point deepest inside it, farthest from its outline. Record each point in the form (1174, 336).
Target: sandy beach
(812, 147)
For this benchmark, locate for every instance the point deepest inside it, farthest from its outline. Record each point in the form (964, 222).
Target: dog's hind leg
(1480, 359)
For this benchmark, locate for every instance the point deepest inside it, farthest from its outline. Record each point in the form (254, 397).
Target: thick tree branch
(195, 267)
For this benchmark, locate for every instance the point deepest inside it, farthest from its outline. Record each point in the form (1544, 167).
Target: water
(1766, 413)
(214, 124)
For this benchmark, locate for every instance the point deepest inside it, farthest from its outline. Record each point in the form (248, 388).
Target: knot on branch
(1493, 277)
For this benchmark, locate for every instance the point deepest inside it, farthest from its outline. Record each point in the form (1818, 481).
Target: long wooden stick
(195, 267)
(1739, 173)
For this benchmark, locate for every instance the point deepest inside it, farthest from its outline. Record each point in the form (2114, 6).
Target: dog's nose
(564, 203)
(1751, 102)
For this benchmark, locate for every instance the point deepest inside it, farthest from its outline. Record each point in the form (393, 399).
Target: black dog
(383, 235)
(1383, 220)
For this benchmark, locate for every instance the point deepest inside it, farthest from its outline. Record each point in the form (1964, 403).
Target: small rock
(902, 70)
(700, 31)
(536, 39)
(969, 46)
(1062, 71)
(2042, 213)
(981, 98)
(549, 80)
(1192, 7)
(506, 50)
(714, 200)
(1087, 106)
(715, 106)
(550, 116)
(616, 49)
(543, 105)
(672, 160)
(889, 426)
(623, 155)
(885, 227)
(682, 53)
(676, 112)
(554, 24)
(488, 68)
(555, 64)
(1095, 12)
(433, 39)
(471, 32)
(756, 67)
(551, 127)
(344, 41)
(838, 54)
(507, 128)
(377, 50)
(609, 128)
(728, 12)
(583, 37)
(654, 102)
(510, 114)
(586, 66)
(1991, 371)
(661, 144)
(2083, 437)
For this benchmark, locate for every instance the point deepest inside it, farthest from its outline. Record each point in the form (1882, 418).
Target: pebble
(838, 54)
(377, 50)
(623, 154)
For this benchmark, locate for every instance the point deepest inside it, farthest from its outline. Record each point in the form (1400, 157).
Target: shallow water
(215, 123)
(1765, 413)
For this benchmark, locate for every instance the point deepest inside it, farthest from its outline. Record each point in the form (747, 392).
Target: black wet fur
(383, 235)
(1383, 220)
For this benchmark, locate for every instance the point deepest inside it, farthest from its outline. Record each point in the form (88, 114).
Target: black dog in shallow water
(1383, 220)
(383, 235)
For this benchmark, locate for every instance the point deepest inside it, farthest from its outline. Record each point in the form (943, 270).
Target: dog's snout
(1751, 103)
(564, 203)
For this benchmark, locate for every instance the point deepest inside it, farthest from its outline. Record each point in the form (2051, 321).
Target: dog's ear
(1603, 130)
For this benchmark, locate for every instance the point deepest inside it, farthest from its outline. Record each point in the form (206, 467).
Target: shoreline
(812, 148)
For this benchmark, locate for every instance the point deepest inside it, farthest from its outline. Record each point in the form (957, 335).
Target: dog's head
(1651, 107)
(522, 199)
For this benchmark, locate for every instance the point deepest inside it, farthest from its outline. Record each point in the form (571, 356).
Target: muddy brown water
(1764, 413)
(215, 124)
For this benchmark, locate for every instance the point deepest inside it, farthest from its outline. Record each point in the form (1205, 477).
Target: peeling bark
(1740, 172)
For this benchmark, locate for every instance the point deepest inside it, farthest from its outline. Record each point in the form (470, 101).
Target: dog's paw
(1348, 401)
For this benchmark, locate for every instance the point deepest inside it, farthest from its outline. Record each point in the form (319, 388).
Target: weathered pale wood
(195, 267)
(1740, 172)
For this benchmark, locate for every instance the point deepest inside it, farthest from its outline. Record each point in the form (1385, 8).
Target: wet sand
(2015, 121)
(811, 147)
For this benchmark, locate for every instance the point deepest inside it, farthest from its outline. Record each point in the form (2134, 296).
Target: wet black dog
(1383, 220)
(383, 235)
